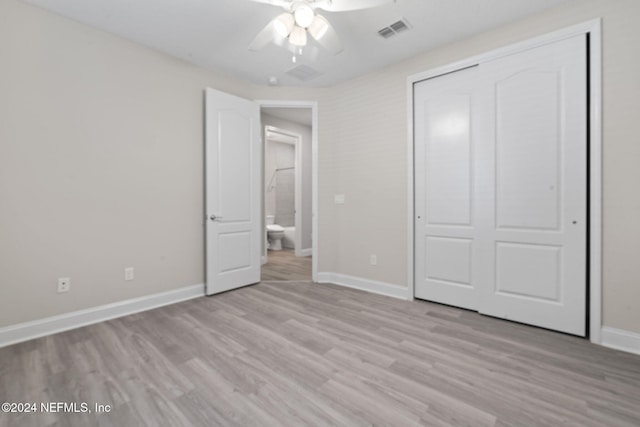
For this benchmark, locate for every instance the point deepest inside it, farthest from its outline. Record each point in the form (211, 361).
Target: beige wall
(101, 165)
(363, 154)
(101, 162)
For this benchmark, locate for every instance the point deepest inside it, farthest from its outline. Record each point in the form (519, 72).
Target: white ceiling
(214, 34)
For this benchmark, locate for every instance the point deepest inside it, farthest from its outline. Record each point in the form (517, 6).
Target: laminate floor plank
(286, 266)
(292, 353)
(440, 405)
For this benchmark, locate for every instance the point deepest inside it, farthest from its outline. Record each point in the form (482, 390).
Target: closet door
(501, 187)
(533, 225)
(445, 226)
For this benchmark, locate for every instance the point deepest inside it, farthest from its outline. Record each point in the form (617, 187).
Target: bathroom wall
(285, 186)
(269, 180)
(280, 184)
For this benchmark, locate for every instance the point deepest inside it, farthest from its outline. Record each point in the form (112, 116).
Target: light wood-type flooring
(305, 354)
(285, 265)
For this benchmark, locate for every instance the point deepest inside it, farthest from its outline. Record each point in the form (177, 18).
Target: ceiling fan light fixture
(284, 24)
(318, 27)
(303, 15)
(298, 36)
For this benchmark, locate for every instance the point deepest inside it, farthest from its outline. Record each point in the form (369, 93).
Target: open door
(233, 170)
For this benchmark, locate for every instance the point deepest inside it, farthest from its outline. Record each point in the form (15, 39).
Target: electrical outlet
(64, 284)
(373, 259)
(128, 273)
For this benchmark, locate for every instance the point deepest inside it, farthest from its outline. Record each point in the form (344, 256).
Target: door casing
(313, 105)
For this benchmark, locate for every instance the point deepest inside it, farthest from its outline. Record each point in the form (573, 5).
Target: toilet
(275, 233)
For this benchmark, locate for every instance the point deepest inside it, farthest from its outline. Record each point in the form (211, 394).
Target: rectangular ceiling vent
(303, 72)
(395, 28)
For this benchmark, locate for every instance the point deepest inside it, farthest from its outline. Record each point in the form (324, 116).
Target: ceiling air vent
(303, 72)
(395, 28)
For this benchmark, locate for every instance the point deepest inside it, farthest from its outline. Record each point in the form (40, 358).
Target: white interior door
(501, 187)
(445, 223)
(533, 268)
(233, 170)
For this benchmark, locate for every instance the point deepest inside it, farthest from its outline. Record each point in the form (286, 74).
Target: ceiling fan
(300, 20)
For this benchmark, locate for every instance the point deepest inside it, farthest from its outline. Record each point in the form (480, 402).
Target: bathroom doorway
(283, 170)
(290, 179)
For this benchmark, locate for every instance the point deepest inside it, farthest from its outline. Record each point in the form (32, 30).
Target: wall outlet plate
(64, 284)
(129, 273)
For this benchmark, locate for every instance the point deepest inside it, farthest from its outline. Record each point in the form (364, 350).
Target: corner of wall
(366, 285)
(620, 340)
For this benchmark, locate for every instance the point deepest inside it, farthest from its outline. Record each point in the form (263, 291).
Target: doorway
(234, 203)
(283, 173)
(289, 198)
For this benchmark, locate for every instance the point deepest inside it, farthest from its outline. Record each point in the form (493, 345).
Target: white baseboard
(306, 252)
(365, 285)
(620, 339)
(50, 325)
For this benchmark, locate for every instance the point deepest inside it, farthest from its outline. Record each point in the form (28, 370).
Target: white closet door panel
(448, 159)
(534, 257)
(448, 260)
(529, 271)
(444, 225)
(527, 147)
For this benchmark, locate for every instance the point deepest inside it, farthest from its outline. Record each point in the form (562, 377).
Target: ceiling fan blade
(347, 5)
(281, 3)
(330, 41)
(264, 37)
